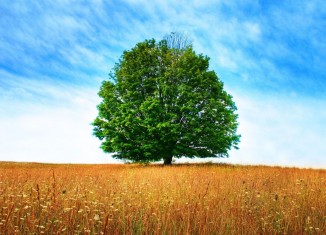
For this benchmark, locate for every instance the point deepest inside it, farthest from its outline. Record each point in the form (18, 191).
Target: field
(183, 199)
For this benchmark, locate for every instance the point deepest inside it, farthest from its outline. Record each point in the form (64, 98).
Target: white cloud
(253, 30)
(281, 131)
(55, 130)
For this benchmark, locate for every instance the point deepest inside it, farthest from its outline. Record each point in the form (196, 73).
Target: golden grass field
(180, 199)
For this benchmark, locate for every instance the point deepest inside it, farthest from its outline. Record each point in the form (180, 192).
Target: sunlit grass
(187, 199)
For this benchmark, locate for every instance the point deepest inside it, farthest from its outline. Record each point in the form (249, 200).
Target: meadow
(177, 199)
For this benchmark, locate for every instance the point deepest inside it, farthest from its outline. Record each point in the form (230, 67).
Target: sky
(270, 56)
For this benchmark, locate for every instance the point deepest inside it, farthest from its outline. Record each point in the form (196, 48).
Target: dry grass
(188, 199)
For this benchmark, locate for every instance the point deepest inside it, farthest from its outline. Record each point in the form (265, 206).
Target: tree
(162, 102)
(177, 40)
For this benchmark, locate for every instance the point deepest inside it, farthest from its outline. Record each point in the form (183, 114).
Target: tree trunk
(168, 161)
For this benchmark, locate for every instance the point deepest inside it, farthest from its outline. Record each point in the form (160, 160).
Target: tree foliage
(162, 101)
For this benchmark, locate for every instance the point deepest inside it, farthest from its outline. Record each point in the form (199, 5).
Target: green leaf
(164, 102)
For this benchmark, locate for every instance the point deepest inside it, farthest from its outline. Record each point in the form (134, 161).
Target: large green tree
(162, 101)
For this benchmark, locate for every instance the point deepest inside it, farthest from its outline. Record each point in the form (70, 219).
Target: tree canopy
(161, 102)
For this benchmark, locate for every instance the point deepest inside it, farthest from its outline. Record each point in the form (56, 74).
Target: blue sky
(269, 54)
